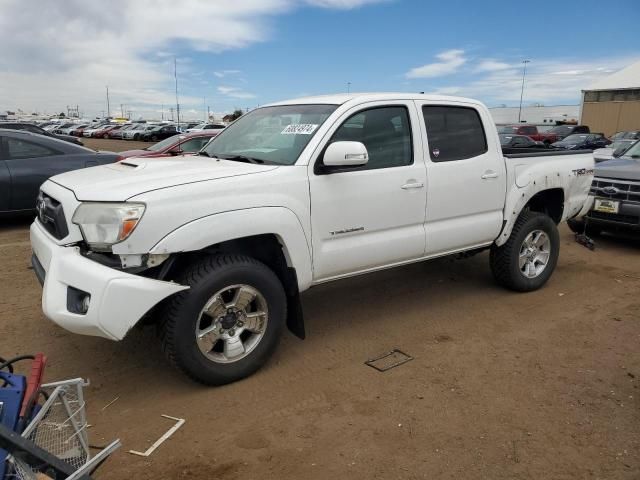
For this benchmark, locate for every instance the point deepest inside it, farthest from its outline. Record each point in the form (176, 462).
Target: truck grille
(616, 189)
(51, 216)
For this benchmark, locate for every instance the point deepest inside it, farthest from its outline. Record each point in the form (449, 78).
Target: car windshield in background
(574, 139)
(561, 129)
(506, 130)
(505, 139)
(167, 142)
(275, 135)
(634, 151)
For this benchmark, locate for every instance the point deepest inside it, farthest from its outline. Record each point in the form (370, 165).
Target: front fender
(222, 227)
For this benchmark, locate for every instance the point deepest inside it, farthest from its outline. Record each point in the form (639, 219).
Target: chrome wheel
(535, 252)
(232, 323)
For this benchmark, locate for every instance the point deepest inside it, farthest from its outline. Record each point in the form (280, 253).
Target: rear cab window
(454, 133)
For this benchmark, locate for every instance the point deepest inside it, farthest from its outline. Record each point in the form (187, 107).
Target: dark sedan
(583, 141)
(27, 160)
(519, 141)
(40, 131)
(159, 133)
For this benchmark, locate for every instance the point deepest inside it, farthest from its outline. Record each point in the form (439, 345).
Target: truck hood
(624, 168)
(134, 176)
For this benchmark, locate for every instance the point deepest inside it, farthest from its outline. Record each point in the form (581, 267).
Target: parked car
(263, 216)
(160, 132)
(28, 159)
(563, 131)
(181, 144)
(530, 131)
(70, 129)
(77, 131)
(28, 127)
(119, 132)
(136, 132)
(89, 131)
(62, 128)
(630, 135)
(588, 141)
(519, 141)
(206, 126)
(616, 149)
(615, 195)
(104, 131)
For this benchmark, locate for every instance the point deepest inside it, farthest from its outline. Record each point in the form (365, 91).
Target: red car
(183, 143)
(530, 131)
(104, 132)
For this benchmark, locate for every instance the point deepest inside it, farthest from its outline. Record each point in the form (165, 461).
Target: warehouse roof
(628, 77)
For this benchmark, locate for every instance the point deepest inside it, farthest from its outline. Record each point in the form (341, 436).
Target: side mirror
(345, 154)
(175, 151)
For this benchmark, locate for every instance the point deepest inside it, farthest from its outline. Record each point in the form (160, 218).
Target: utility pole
(171, 111)
(175, 75)
(348, 87)
(524, 73)
(208, 112)
(121, 110)
(162, 111)
(108, 106)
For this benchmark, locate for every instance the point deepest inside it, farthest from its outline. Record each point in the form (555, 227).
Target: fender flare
(231, 225)
(527, 186)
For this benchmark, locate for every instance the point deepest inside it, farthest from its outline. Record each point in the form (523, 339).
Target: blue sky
(251, 52)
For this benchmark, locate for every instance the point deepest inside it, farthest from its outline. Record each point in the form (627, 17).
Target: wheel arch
(271, 235)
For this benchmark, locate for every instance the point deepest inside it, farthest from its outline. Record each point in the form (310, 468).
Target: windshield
(507, 130)
(634, 151)
(505, 139)
(274, 135)
(167, 142)
(575, 139)
(561, 129)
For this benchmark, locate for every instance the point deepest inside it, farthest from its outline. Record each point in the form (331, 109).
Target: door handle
(489, 174)
(411, 185)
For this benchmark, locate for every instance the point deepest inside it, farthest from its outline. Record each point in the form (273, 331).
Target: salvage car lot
(503, 385)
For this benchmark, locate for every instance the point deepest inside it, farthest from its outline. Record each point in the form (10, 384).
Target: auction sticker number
(299, 129)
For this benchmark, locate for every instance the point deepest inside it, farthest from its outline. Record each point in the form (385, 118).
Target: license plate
(606, 206)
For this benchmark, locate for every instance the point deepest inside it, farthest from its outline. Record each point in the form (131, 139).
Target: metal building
(612, 104)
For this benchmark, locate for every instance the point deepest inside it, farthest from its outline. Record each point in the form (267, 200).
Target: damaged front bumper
(88, 298)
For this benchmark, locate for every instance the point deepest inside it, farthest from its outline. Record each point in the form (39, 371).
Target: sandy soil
(503, 385)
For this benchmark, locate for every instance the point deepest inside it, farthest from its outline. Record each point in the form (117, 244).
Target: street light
(524, 73)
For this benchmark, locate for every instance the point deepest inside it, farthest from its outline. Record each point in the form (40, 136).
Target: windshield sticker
(299, 129)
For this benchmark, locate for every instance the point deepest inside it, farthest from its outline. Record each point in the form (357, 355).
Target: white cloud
(65, 53)
(547, 81)
(235, 92)
(341, 4)
(225, 73)
(491, 65)
(450, 62)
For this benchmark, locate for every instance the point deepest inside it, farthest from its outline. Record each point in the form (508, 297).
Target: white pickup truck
(216, 248)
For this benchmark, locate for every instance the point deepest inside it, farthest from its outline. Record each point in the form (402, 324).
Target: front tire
(527, 260)
(228, 324)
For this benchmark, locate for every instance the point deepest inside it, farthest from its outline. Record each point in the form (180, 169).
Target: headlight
(104, 224)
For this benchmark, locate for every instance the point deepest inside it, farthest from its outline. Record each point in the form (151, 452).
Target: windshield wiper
(240, 158)
(203, 153)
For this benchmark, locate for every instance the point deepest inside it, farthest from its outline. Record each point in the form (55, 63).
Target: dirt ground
(113, 145)
(541, 385)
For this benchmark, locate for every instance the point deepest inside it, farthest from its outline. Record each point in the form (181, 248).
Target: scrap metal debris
(585, 241)
(162, 439)
(389, 360)
(110, 403)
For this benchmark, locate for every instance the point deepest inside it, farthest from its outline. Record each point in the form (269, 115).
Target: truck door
(466, 177)
(373, 215)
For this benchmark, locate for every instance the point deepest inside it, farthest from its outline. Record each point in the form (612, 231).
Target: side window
(18, 149)
(193, 145)
(529, 131)
(385, 131)
(454, 133)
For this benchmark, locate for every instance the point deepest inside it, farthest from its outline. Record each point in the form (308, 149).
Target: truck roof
(341, 98)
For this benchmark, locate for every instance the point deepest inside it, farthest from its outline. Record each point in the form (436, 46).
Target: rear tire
(527, 260)
(213, 358)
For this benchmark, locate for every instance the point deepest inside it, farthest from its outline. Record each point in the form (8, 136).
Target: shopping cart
(54, 442)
